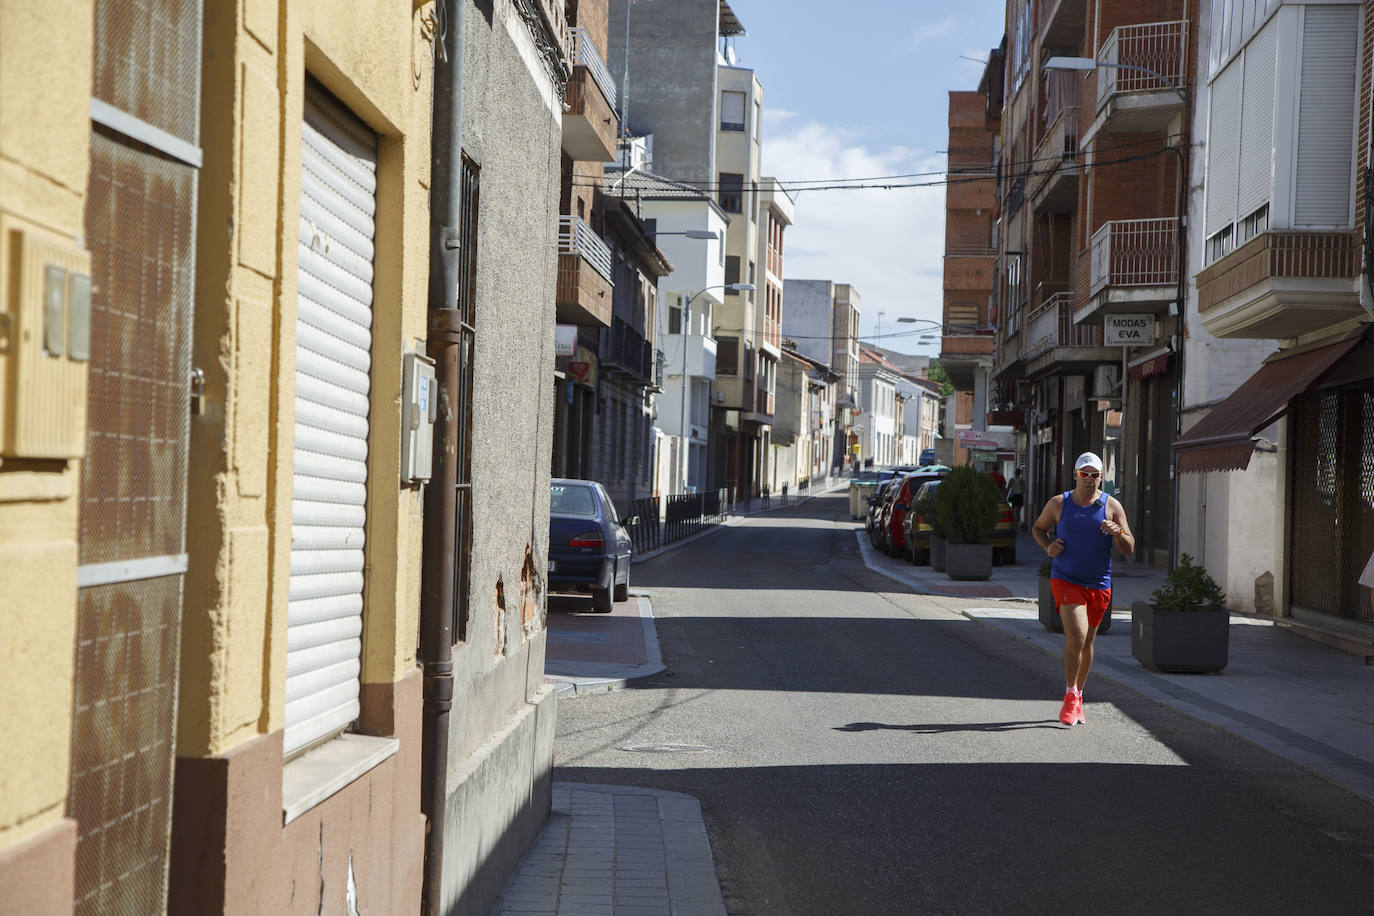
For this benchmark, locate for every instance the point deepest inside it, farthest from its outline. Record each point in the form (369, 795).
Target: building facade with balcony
(586, 268)
(968, 346)
(1277, 438)
(879, 423)
(627, 366)
(1091, 195)
(686, 315)
(802, 435)
(775, 213)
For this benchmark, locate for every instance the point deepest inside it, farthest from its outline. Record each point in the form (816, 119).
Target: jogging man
(1078, 530)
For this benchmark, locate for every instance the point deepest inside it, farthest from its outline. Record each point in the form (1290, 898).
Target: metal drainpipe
(438, 590)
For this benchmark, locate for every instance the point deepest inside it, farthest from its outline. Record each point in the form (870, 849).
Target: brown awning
(1221, 440)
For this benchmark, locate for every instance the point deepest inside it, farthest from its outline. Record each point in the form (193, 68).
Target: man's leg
(1077, 638)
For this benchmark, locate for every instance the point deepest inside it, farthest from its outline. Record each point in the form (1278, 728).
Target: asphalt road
(861, 750)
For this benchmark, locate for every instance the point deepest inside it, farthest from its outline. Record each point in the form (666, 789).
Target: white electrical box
(420, 399)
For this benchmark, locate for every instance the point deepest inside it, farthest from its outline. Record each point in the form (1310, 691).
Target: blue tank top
(1087, 556)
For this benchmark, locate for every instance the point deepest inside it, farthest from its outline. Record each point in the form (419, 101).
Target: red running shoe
(1070, 712)
(1078, 710)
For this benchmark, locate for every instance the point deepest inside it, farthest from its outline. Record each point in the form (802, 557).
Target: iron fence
(647, 532)
(665, 520)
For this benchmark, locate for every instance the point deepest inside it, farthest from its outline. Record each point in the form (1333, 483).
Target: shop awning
(1221, 440)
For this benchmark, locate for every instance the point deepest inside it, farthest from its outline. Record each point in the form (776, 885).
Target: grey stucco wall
(512, 129)
(806, 317)
(672, 87)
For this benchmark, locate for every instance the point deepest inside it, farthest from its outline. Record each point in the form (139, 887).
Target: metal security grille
(140, 227)
(1333, 502)
(333, 380)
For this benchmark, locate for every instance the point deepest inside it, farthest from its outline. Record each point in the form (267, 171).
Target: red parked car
(893, 520)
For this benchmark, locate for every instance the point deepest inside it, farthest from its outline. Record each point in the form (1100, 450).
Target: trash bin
(859, 492)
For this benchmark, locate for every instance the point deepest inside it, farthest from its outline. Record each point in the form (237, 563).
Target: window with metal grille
(730, 192)
(467, 308)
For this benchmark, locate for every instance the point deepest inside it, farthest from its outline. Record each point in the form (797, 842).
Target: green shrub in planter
(966, 506)
(1187, 627)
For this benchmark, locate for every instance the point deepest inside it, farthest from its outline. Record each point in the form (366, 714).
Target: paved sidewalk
(616, 851)
(1130, 581)
(1305, 702)
(587, 652)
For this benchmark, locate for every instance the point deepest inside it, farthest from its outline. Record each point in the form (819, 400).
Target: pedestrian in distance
(1078, 529)
(1016, 498)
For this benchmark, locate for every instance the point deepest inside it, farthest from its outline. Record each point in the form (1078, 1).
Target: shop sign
(985, 456)
(564, 340)
(1128, 330)
(1151, 367)
(1044, 435)
(969, 438)
(582, 369)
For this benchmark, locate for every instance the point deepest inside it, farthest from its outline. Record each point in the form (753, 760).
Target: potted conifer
(1185, 627)
(967, 506)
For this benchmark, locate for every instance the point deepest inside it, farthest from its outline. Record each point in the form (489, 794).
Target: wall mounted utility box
(420, 407)
(45, 342)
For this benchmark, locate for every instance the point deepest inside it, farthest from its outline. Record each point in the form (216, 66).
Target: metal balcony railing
(622, 347)
(576, 237)
(1051, 325)
(1135, 252)
(1158, 46)
(584, 53)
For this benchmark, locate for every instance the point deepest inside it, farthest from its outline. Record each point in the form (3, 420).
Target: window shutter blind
(1223, 148)
(732, 107)
(333, 374)
(1326, 116)
(1256, 178)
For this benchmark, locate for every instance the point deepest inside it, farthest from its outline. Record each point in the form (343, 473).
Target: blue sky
(859, 89)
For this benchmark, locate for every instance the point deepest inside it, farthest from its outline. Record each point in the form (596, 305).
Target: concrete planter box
(968, 561)
(937, 552)
(1187, 642)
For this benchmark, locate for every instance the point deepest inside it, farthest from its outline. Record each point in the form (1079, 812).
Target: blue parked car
(588, 545)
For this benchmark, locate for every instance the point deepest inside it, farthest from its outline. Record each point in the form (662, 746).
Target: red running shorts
(1097, 600)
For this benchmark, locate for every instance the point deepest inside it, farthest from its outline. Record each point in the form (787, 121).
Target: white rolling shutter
(1223, 148)
(1256, 180)
(333, 366)
(1326, 117)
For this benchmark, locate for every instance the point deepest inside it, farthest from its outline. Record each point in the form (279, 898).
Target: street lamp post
(682, 403)
(1181, 318)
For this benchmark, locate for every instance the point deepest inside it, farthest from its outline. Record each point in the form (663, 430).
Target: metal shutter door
(1326, 112)
(1223, 153)
(1257, 122)
(333, 362)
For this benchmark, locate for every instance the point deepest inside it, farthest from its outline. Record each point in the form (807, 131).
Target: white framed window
(732, 108)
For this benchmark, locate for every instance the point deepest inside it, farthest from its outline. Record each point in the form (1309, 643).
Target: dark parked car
(892, 527)
(588, 545)
(875, 509)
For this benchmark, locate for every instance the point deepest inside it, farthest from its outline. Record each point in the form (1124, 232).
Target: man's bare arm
(1115, 525)
(1045, 525)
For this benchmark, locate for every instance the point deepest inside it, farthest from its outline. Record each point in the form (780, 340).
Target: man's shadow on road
(942, 727)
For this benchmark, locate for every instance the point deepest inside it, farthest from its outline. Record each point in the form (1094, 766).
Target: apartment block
(822, 317)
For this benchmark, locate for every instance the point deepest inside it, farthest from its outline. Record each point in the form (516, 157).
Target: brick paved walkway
(616, 851)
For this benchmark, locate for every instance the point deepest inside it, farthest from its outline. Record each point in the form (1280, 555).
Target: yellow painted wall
(45, 54)
(375, 55)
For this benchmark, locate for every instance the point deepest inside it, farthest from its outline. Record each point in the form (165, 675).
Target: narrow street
(860, 749)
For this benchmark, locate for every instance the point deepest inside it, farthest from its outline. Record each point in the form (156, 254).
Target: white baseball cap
(1087, 460)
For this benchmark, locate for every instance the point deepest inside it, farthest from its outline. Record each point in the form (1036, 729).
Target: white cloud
(887, 243)
(939, 29)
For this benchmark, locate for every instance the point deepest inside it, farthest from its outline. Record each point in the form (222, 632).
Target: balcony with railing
(623, 349)
(1282, 283)
(1055, 188)
(1133, 268)
(584, 275)
(1061, 22)
(1132, 100)
(589, 119)
(1050, 329)
(764, 403)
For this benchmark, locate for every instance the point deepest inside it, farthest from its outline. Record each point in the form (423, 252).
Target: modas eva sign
(1128, 330)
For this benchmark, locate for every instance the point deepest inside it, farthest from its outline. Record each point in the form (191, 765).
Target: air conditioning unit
(1105, 381)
